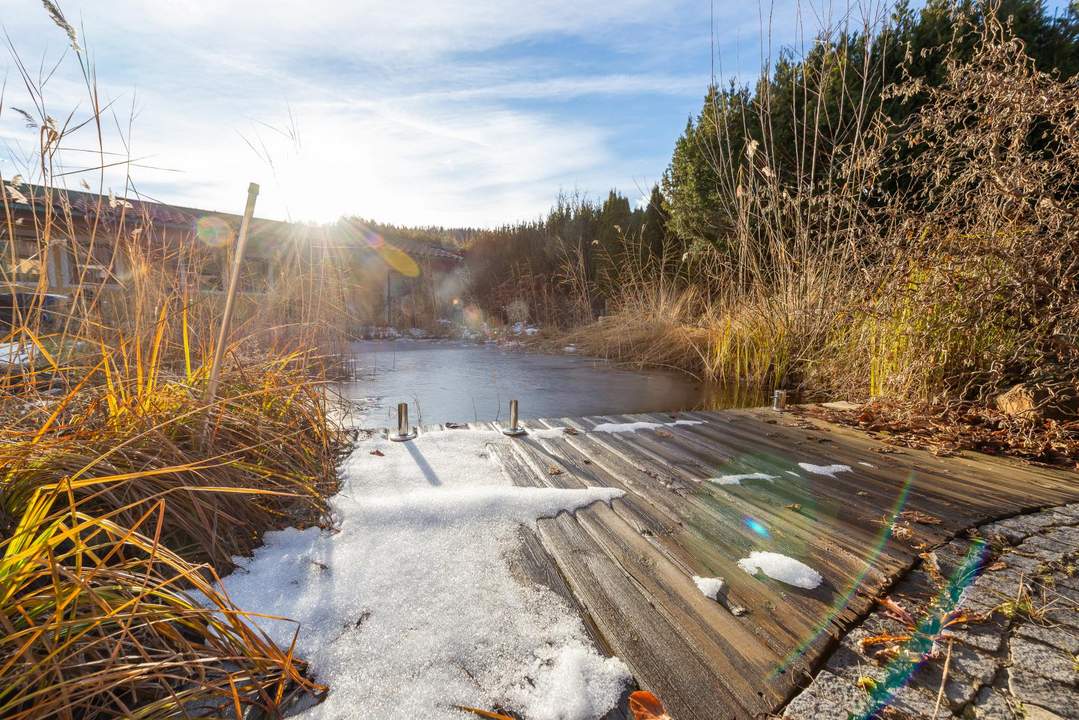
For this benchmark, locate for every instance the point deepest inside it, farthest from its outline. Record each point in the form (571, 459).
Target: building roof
(139, 211)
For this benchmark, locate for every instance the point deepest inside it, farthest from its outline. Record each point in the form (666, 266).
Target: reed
(123, 495)
(929, 262)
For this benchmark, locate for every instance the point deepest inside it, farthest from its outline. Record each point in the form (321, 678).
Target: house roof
(139, 211)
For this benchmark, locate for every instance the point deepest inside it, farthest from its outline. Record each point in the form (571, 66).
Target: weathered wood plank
(629, 566)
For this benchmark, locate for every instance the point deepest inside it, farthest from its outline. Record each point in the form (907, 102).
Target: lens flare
(473, 316)
(757, 526)
(213, 232)
(923, 638)
(393, 256)
(372, 238)
(841, 603)
(399, 260)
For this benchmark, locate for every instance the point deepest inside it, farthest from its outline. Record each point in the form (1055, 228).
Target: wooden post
(389, 285)
(234, 281)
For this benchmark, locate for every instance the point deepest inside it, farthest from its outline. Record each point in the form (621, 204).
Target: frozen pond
(453, 381)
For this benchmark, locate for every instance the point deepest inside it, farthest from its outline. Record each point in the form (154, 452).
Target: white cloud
(416, 111)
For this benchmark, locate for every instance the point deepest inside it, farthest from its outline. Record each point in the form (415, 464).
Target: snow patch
(411, 606)
(709, 587)
(867, 464)
(635, 426)
(827, 470)
(780, 567)
(791, 472)
(477, 505)
(568, 681)
(737, 479)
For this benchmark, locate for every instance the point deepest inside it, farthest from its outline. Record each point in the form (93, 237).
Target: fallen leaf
(663, 433)
(794, 506)
(920, 517)
(483, 713)
(378, 453)
(646, 706)
(570, 431)
(554, 470)
(886, 639)
(897, 612)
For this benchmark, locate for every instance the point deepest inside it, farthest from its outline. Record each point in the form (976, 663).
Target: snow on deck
(717, 595)
(410, 607)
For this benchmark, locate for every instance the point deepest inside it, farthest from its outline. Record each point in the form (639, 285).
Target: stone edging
(1011, 641)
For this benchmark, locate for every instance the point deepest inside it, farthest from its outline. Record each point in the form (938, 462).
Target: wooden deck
(628, 568)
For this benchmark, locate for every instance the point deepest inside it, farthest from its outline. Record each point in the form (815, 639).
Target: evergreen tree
(808, 110)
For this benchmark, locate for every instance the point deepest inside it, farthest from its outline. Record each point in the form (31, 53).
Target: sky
(470, 113)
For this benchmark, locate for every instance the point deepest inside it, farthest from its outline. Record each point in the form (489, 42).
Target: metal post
(779, 399)
(234, 281)
(514, 429)
(404, 431)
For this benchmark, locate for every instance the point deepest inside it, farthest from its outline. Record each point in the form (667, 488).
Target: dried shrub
(977, 286)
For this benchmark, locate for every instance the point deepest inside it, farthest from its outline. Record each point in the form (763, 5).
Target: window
(23, 263)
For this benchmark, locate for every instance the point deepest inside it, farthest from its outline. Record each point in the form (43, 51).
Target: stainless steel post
(514, 428)
(404, 430)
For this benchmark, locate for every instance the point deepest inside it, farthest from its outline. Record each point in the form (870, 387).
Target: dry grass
(930, 264)
(123, 493)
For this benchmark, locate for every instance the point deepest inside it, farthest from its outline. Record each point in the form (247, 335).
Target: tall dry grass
(931, 261)
(123, 491)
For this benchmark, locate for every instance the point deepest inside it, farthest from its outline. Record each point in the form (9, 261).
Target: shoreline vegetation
(124, 494)
(891, 215)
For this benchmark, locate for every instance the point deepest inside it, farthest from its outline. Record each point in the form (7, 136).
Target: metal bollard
(779, 400)
(514, 429)
(404, 431)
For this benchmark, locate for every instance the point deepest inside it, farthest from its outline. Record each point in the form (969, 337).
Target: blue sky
(474, 112)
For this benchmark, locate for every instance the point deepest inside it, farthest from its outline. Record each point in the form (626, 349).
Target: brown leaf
(920, 517)
(885, 639)
(483, 713)
(646, 706)
(897, 611)
(378, 453)
(794, 506)
(554, 470)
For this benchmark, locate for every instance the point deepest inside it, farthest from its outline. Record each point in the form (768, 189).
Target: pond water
(454, 381)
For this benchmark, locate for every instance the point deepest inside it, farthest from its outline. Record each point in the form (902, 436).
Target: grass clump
(125, 492)
(123, 495)
(100, 619)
